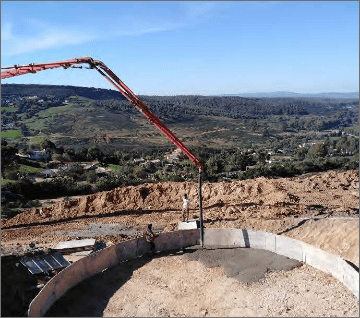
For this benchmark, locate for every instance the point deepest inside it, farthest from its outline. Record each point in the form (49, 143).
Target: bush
(91, 176)
(108, 183)
(175, 177)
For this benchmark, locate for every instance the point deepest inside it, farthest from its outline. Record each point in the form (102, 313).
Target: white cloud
(13, 44)
(6, 32)
(45, 36)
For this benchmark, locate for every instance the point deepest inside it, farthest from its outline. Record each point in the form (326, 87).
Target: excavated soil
(322, 209)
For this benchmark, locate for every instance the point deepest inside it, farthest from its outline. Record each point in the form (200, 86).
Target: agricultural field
(11, 134)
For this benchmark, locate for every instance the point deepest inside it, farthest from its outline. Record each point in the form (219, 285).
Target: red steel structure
(16, 70)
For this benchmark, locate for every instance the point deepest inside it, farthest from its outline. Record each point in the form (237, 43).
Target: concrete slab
(75, 245)
(191, 224)
(81, 253)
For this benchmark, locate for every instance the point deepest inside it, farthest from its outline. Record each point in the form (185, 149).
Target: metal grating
(44, 263)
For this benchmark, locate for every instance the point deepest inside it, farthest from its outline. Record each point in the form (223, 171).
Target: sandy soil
(181, 286)
(322, 209)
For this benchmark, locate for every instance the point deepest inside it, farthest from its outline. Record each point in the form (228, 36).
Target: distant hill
(297, 95)
(85, 116)
(62, 91)
(103, 94)
(187, 107)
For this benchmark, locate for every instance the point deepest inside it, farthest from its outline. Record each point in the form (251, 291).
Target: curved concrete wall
(99, 261)
(301, 251)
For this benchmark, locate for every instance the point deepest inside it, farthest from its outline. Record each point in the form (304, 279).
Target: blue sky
(188, 47)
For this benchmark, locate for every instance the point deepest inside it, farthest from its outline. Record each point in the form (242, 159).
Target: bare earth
(178, 285)
(321, 209)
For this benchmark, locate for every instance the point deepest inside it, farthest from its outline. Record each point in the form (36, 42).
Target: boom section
(116, 82)
(16, 70)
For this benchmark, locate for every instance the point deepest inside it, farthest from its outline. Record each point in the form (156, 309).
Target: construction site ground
(321, 209)
(217, 283)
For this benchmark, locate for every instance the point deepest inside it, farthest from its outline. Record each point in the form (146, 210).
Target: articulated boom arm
(115, 81)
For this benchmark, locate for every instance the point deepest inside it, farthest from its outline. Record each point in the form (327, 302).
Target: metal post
(200, 210)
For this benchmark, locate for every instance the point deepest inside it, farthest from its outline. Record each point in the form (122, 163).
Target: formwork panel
(270, 242)
(218, 237)
(239, 239)
(176, 240)
(126, 250)
(191, 237)
(289, 247)
(168, 241)
(323, 260)
(142, 247)
(256, 239)
(351, 279)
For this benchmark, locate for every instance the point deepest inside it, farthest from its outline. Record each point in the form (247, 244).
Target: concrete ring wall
(99, 261)
(295, 249)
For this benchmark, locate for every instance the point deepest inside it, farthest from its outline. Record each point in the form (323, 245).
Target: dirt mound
(259, 198)
(281, 206)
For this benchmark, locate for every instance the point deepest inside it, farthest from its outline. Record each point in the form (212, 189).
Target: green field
(5, 182)
(28, 169)
(46, 117)
(9, 108)
(54, 111)
(11, 134)
(114, 168)
(353, 128)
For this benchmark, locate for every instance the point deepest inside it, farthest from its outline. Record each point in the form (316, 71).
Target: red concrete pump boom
(129, 95)
(115, 81)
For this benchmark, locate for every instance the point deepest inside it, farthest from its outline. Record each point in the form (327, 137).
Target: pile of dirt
(259, 198)
(285, 206)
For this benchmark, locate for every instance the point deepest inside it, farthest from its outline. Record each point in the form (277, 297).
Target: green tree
(94, 152)
(46, 144)
(8, 155)
(301, 153)
(318, 150)
(262, 156)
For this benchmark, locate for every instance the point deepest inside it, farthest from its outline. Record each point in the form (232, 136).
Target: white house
(39, 155)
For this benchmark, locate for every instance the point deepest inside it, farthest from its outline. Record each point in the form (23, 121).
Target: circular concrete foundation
(131, 251)
(209, 282)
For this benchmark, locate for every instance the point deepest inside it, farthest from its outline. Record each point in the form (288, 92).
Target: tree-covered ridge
(57, 91)
(185, 106)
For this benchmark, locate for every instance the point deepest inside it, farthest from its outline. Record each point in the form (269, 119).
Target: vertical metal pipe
(200, 209)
